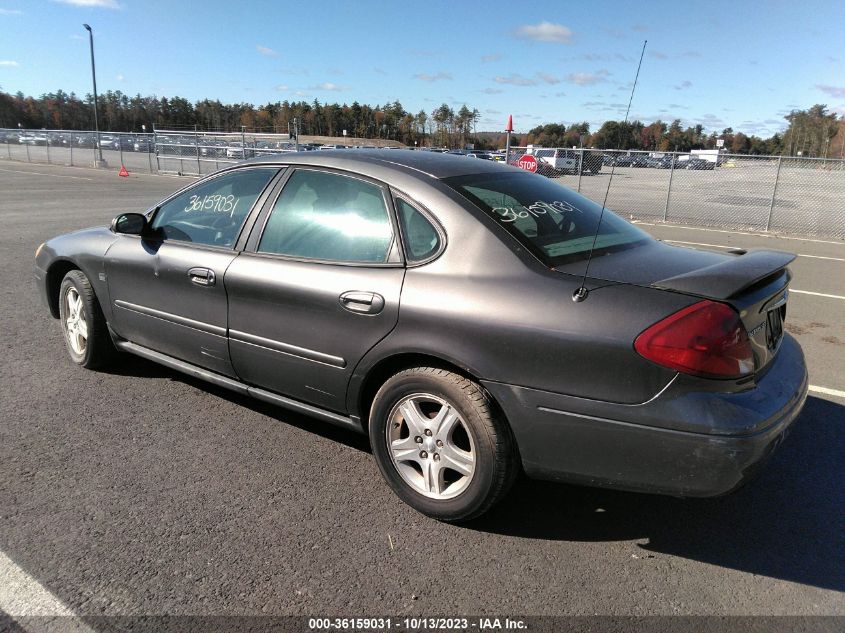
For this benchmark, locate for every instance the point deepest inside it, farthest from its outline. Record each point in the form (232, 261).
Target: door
(167, 288)
(316, 288)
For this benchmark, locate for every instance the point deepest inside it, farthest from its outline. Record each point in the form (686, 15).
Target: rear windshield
(550, 220)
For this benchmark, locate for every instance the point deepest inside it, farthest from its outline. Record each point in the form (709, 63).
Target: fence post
(120, 147)
(774, 193)
(149, 151)
(71, 149)
(47, 145)
(197, 146)
(8, 147)
(155, 149)
(580, 167)
(28, 159)
(669, 190)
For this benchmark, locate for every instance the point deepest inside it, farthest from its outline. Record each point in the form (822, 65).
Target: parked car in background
(699, 163)
(427, 301)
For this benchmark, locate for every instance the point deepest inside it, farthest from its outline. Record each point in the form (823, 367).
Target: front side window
(213, 212)
(329, 217)
(552, 221)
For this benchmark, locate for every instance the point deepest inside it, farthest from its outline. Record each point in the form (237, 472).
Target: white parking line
(40, 173)
(778, 236)
(827, 392)
(21, 596)
(836, 259)
(815, 294)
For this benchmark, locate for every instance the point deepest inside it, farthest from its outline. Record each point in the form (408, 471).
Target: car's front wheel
(440, 443)
(83, 324)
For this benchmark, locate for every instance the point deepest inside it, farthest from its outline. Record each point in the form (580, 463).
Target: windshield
(550, 220)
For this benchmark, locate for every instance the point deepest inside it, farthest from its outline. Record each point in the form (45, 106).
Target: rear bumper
(650, 447)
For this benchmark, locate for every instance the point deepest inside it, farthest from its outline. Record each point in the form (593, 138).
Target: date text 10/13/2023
(416, 624)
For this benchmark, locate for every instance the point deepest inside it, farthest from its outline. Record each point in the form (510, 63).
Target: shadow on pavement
(789, 523)
(135, 366)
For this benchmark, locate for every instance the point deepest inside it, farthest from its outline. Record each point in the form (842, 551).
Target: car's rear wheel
(83, 324)
(440, 443)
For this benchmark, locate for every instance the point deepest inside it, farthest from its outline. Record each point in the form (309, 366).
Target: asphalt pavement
(138, 490)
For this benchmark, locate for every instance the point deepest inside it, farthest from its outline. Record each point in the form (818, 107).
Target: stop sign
(528, 163)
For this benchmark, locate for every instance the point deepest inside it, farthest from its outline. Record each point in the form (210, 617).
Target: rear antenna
(581, 293)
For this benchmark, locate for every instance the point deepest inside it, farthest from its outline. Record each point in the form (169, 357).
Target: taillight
(705, 339)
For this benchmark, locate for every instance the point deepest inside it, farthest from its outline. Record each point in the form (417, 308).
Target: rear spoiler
(730, 277)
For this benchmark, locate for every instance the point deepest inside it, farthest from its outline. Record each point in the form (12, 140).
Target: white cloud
(492, 91)
(587, 79)
(833, 91)
(684, 85)
(327, 85)
(120, 77)
(490, 58)
(8, 62)
(435, 77)
(11, 12)
(549, 79)
(282, 88)
(267, 52)
(545, 32)
(100, 4)
(515, 79)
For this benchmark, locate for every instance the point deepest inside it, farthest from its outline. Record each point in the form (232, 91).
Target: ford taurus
(443, 307)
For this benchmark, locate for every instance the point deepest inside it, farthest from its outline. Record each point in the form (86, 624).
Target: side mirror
(130, 224)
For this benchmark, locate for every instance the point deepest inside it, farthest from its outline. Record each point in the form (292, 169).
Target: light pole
(94, 79)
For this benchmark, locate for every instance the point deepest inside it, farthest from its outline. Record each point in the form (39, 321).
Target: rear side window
(420, 238)
(329, 217)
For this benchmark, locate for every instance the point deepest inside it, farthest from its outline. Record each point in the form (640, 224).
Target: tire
(86, 336)
(433, 419)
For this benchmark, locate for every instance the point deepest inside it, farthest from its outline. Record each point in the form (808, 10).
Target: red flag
(510, 124)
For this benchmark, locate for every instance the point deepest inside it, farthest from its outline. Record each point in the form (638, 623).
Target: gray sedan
(475, 320)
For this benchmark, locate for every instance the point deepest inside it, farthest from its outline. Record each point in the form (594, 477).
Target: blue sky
(742, 63)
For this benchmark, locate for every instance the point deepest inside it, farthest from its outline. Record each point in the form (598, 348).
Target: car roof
(433, 164)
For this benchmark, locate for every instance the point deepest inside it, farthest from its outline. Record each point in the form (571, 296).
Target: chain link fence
(200, 153)
(804, 196)
(80, 148)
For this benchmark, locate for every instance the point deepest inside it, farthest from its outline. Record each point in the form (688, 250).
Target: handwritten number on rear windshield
(512, 214)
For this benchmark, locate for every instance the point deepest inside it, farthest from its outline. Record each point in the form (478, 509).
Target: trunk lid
(754, 283)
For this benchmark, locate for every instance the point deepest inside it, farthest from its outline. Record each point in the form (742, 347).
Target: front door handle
(202, 276)
(362, 302)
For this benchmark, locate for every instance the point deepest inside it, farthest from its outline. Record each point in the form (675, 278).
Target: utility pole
(101, 162)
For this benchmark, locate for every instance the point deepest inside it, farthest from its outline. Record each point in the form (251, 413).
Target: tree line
(119, 112)
(812, 132)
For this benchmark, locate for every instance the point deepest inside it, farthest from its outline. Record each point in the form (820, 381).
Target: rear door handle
(362, 302)
(202, 276)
